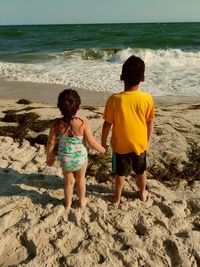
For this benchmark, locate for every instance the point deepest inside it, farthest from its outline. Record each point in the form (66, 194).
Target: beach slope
(36, 231)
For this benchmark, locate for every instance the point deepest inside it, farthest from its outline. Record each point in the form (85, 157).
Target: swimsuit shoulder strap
(77, 118)
(69, 128)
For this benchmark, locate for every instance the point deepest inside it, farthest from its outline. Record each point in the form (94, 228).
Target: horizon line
(98, 23)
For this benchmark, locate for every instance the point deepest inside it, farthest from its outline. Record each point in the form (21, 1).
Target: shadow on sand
(40, 188)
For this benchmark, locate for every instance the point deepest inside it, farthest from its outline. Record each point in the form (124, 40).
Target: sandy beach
(35, 231)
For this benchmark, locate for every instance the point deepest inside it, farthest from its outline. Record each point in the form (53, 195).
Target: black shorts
(125, 163)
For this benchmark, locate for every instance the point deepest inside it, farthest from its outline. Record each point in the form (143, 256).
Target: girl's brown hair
(69, 102)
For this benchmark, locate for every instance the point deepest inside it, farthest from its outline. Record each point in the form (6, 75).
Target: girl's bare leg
(142, 179)
(81, 185)
(69, 181)
(119, 185)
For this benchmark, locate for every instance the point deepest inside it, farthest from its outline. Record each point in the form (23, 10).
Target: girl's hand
(50, 160)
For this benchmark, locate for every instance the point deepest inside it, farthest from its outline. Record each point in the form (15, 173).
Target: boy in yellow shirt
(131, 115)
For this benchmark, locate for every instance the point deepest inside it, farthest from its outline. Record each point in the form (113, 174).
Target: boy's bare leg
(119, 185)
(81, 185)
(69, 181)
(142, 178)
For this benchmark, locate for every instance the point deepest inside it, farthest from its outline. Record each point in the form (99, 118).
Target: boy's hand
(106, 148)
(50, 160)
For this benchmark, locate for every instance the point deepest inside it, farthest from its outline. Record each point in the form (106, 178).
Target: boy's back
(129, 111)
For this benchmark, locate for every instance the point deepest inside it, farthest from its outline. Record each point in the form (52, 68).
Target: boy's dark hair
(133, 71)
(68, 103)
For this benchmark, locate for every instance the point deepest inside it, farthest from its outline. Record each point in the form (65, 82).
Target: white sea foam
(168, 72)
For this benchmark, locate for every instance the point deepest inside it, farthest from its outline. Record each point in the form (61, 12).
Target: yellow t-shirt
(128, 112)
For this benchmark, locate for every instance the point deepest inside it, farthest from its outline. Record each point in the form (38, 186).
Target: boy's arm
(150, 115)
(150, 124)
(105, 131)
(52, 140)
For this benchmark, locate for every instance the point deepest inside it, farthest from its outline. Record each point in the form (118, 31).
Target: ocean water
(90, 56)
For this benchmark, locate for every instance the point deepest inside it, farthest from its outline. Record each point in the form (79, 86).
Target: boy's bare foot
(144, 196)
(116, 205)
(116, 202)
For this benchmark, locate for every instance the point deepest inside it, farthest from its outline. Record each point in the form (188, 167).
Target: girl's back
(71, 148)
(73, 128)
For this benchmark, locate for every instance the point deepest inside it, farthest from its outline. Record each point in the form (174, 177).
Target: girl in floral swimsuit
(71, 148)
(71, 133)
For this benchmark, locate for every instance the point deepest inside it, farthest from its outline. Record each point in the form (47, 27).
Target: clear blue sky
(101, 11)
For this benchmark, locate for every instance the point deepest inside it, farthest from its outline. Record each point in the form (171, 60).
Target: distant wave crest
(150, 56)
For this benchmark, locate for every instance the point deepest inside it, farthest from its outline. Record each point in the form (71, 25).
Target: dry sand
(165, 231)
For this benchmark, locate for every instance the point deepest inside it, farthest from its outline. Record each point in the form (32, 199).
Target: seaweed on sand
(90, 108)
(26, 118)
(95, 116)
(25, 123)
(171, 172)
(24, 101)
(100, 167)
(40, 139)
(194, 106)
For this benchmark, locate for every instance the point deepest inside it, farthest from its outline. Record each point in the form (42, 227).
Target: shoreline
(48, 93)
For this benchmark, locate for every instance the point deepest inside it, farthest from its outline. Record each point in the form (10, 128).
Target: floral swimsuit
(71, 150)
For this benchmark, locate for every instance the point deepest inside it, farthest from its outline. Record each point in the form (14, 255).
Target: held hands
(50, 160)
(105, 148)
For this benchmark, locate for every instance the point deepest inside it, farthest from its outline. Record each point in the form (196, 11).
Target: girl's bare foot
(67, 204)
(83, 204)
(68, 207)
(67, 210)
(144, 196)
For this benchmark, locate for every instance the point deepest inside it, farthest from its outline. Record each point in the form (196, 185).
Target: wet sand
(48, 93)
